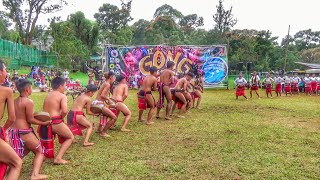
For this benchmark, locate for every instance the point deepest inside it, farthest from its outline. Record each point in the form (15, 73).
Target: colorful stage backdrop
(212, 60)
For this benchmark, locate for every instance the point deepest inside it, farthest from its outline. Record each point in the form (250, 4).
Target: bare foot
(125, 130)
(113, 127)
(38, 177)
(104, 135)
(179, 116)
(149, 123)
(60, 162)
(86, 144)
(167, 118)
(158, 117)
(141, 120)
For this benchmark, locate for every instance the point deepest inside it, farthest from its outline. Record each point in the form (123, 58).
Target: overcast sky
(273, 15)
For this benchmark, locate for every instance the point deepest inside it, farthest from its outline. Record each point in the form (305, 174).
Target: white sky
(274, 15)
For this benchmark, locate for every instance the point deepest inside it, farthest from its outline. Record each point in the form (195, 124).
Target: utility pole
(286, 55)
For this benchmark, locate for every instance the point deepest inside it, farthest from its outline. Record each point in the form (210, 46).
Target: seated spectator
(37, 81)
(43, 86)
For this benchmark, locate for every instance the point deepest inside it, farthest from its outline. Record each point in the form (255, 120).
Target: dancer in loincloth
(145, 97)
(77, 120)
(102, 96)
(21, 135)
(166, 78)
(179, 93)
(56, 105)
(9, 160)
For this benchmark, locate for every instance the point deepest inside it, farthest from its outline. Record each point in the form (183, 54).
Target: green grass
(257, 139)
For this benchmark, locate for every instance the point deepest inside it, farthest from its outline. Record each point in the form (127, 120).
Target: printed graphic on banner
(136, 61)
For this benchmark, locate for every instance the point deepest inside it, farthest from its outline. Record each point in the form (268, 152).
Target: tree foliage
(223, 18)
(25, 14)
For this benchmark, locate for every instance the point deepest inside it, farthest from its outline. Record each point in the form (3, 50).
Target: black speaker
(249, 66)
(240, 65)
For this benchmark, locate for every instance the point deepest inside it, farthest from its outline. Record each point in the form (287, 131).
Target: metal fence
(21, 55)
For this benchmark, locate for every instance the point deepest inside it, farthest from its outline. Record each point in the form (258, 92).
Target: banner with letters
(212, 60)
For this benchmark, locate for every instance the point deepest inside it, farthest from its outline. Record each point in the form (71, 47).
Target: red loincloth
(16, 142)
(268, 88)
(194, 95)
(3, 166)
(142, 100)
(75, 128)
(103, 120)
(47, 137)
(241, 91)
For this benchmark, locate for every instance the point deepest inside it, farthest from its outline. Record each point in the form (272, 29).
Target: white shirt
(296, 79)
(268, 80)
(65, 74)
(307, 80)
(313, 79)
(255, 80)
(278, 80)
(240, 82)
(287, 80)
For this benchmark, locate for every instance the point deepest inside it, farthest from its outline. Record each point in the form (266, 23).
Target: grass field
(275, 138)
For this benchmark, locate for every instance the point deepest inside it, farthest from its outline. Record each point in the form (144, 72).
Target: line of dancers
(288, 84)
(111, 96)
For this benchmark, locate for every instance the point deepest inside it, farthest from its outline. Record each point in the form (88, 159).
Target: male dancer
(198, 90)
(307, 85)
(313, 80)
(7, 155)
(166, 78)
(56, 105)
(268, 82)
(102, 96)
(179, 93)
(22, 137)
(119, 94)
(240, 83)
(255, 83)
(145, 97)
(278, 80)
(295, 83)
(77, 121)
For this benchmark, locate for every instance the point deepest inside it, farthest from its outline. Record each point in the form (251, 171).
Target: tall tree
(85, 30)
(25, 14)
(111, 19)
(71, 51)
(307, 39)
(139, 29)
(167, 10)
(223, 18)
(190, 22)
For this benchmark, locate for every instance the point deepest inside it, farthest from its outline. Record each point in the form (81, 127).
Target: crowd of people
(286, 84)
(181, 92)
